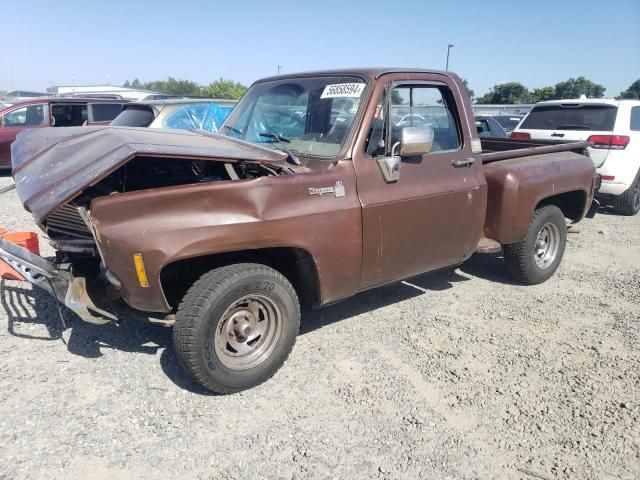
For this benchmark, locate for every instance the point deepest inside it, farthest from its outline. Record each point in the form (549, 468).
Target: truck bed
(522, 173)
(494, 149)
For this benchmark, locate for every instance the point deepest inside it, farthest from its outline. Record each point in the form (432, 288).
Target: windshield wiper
(275, 136)
(233, 129)
(279, 138)
(292, 158)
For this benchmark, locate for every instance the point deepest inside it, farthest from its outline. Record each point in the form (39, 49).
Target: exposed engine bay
(143, 173)
(69, 226)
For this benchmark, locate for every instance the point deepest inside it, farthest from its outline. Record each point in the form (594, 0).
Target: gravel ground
(460, 374)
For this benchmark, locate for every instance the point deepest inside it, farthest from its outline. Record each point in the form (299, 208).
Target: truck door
(433, 215)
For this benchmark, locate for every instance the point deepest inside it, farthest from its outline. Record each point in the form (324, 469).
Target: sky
(537, 43)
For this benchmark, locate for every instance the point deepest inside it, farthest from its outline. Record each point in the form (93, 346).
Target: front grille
(67, 223)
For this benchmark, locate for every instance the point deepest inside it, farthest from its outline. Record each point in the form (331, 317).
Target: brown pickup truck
(318, 186)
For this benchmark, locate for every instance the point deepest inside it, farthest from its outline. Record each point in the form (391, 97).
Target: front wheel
(535, 259)
(236, 326)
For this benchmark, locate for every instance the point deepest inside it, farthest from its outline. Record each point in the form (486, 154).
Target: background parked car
(52, 112)
(183, 114)
(488, 127)
(612, 125)
(508, 122)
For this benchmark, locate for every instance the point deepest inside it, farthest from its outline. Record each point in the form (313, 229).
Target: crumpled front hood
(52, 165)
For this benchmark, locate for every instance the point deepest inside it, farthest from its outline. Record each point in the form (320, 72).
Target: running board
(486, 245)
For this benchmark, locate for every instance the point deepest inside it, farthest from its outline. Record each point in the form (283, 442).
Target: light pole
(449, 47)
(279, 68)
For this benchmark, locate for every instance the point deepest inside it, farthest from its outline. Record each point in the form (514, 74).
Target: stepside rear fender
(517, 186)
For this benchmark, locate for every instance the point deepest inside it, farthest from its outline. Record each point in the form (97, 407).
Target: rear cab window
(571, 117)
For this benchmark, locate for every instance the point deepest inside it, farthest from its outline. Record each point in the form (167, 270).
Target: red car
(52, 112)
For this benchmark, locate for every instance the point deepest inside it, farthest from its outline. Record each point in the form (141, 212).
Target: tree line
(503, 93)
(516, 92)
(220, 88)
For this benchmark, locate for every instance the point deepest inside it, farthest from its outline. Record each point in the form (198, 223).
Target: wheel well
(572, 203)
(295, 264)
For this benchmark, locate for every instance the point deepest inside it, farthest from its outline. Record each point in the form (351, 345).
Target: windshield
(571, 117)
(309, 116)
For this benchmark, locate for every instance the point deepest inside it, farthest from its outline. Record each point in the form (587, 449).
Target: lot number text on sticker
(342, 90)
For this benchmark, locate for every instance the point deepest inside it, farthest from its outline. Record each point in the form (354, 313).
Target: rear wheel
(536, 258)
(629, 202)
(236, 326)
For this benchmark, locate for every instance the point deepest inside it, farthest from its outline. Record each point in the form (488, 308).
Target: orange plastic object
(28, 240)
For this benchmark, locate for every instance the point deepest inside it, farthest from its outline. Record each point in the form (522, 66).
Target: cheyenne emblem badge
(338, 190)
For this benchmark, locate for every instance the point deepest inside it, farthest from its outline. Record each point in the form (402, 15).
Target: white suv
(614, 128)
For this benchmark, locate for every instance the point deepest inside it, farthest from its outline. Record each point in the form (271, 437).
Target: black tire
(521, 257)
(203, 322)
(629, 202)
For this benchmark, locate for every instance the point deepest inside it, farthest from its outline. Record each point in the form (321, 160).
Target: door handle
(467, 162)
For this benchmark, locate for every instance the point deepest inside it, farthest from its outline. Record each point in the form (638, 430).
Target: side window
(104, 112)
(425, 106)
(29, 116)
(635, 119)
(483, 128)
(69, 115)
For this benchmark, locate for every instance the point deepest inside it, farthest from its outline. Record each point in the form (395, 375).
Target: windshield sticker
(338, 90)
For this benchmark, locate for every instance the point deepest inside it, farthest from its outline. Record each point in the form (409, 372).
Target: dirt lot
(456, 375)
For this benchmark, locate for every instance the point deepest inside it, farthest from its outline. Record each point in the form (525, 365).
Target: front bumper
(69, 290)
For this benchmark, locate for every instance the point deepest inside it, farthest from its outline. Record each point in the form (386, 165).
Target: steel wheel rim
(547, 245)
(248, 332)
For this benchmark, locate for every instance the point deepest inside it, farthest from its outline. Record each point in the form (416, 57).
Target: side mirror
(415, 141)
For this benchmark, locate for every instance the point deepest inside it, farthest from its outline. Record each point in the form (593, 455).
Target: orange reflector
(142, 275)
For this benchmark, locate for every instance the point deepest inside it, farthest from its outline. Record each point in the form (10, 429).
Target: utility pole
(279, 68)
(449, 47)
